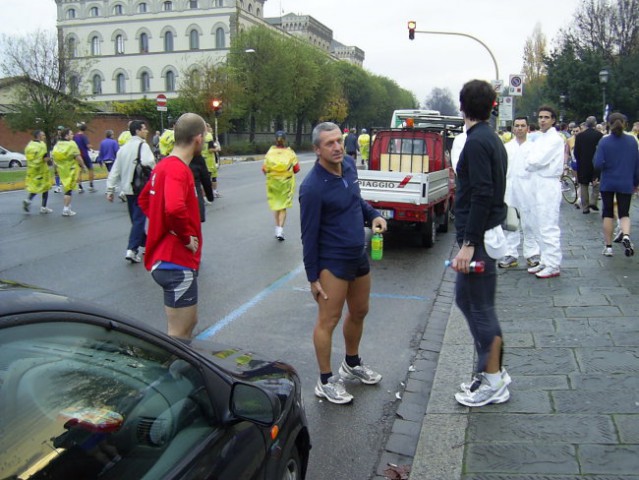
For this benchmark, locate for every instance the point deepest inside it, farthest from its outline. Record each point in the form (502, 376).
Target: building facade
(130, 49)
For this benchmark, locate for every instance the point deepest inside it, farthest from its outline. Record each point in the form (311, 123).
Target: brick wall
(96, 128)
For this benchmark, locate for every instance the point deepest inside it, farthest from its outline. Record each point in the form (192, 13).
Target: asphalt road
(253, 294)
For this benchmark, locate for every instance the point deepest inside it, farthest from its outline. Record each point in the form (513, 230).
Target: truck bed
(399, 187)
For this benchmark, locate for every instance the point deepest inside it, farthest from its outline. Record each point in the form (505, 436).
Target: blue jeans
(475, 297)
(137, 237)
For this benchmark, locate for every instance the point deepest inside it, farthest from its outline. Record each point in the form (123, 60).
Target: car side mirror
(254, 404)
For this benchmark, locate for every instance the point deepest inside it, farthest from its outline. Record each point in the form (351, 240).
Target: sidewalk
(572, 349)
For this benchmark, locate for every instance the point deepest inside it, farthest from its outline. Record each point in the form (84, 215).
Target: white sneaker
(362, 373)
(45, 210)
(132, 257)
(548, 272)
(476, 381)
(67, 212)
(484, 395)
(334, 390)
(57, 189)
(217, 194)
(537, 268)
(92, 189)
(607, 252)
(122, 196)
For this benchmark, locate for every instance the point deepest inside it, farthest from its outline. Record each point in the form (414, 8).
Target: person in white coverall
(546, 164)
(521, 195)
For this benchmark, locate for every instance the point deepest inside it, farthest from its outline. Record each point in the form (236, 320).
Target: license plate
(387, 214)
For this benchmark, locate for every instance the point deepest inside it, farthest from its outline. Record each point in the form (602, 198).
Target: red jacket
(169, 200)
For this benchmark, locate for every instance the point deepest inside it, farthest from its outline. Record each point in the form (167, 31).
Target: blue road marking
(238, 312)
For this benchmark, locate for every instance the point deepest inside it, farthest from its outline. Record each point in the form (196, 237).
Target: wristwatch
(468, 243)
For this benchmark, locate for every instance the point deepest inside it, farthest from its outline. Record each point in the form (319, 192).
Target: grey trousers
(586, 199)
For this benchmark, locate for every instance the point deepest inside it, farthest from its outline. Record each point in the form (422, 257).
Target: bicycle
(568, 187)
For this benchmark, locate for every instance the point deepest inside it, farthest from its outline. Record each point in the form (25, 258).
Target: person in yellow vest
(68, 161)
(167, 141)
(38, 179)
(211, 153)
(280, 166)
(125, 136)
(364, 142)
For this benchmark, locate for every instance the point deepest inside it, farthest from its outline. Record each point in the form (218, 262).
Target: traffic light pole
(430, 32)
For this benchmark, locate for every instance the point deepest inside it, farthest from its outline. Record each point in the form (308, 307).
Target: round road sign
(161, 100)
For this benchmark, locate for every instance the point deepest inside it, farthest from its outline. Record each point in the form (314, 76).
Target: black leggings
(623, 204)
(45, 198)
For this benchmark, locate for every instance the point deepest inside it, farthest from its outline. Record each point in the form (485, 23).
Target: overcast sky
(379, 27)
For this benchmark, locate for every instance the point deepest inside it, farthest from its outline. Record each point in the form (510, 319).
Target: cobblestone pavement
(572, 349)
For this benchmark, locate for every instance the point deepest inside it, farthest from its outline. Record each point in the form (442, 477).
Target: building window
(144, 43)
(71, 47)
(219, 38)
(119, 45)
(74, 85)
(170, 81)
(120, 85)
(257, 12)
(94, 12)
(250, 9)
(145, 82)
(96, 84)
(71, 14)
(118, 10)
(242, 3)
(219, 3)
(142, 8)
(95, 46)
(192, 4)
(194, 39)
(168, 42)
(167, 6)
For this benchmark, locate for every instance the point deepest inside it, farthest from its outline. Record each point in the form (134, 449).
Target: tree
(49, 91)
(441, 99)
(534, 54)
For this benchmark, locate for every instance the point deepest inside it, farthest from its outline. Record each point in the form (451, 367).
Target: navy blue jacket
(618, 160)
(332, 216)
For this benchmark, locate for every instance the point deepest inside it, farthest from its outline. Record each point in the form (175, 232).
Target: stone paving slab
(544, 458)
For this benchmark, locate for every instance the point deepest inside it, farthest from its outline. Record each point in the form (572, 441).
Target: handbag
(141, 174)
(511, 223)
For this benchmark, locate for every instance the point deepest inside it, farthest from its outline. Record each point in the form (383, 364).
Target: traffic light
(411, 30)
(495, 111)
(217, 106)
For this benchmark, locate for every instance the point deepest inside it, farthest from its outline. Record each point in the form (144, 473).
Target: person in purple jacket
(108, 150)
(617, 158)
(333, 216)
(84, 145)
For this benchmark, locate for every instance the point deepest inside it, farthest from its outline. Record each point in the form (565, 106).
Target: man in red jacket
(174, 237)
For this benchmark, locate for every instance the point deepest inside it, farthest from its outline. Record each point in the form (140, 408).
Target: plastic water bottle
(377, 246)
(474, 267)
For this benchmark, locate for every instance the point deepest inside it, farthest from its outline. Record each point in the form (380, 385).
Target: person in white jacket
(546, 164)
(520, 195)
(121, 175)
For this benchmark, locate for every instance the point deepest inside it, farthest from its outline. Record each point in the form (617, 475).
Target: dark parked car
(88, 394)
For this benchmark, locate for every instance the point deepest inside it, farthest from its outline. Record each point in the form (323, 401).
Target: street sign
(160, 100)
(498, 85)
(516, 85)
(161, 109)
(506, 109)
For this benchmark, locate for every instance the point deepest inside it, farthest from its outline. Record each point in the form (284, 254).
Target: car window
(80, 401)
(409, 146)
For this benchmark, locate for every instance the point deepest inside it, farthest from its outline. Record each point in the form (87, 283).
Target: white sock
(278, 231)
(493, 378)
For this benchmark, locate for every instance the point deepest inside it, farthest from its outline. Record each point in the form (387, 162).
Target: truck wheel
(429, 231)
(443, 227)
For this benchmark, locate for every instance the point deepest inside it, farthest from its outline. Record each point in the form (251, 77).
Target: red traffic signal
(216, 104)
(411, 29)
(495, 110)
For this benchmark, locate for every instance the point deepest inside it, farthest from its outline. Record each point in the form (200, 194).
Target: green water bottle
(377, 246)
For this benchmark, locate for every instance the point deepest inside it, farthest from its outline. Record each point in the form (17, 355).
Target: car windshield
(81, 401)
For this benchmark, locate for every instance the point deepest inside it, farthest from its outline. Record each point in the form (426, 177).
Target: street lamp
(604, 74)
(562, 101)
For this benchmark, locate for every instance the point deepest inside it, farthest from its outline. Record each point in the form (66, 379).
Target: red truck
(410, 179)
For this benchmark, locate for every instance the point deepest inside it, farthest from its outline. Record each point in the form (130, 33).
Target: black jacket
(481, 184)
(585, 145)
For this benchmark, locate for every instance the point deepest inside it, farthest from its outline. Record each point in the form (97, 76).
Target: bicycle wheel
(568, 189)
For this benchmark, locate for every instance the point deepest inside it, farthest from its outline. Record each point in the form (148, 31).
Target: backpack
(141, 174)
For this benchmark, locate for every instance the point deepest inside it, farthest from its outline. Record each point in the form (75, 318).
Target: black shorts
(180, 287)
(347, 270)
